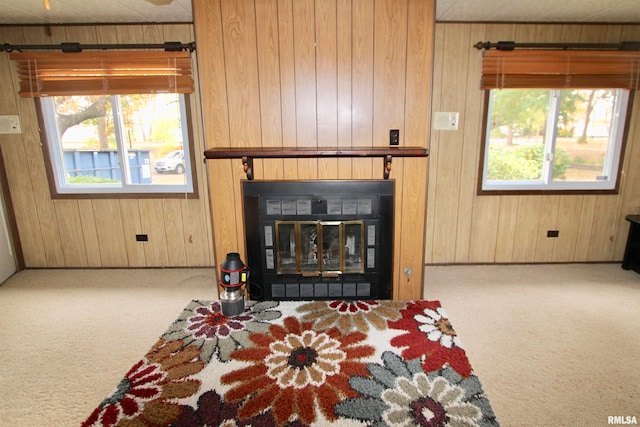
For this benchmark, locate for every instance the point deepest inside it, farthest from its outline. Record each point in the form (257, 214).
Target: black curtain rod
(510, 45)
(77, 47)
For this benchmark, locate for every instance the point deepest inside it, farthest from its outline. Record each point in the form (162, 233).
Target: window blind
(103, 73)
(557, 69)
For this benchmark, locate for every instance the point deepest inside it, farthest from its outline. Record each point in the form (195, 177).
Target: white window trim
(57, 161)
(611, 165)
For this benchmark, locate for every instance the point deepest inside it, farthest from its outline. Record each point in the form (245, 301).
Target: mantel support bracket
(247, 163)
(387, 166)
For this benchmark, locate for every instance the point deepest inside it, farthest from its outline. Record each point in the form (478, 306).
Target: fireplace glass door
(319, 248)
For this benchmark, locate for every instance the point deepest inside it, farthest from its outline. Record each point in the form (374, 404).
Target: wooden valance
(103, 73)
(557, 69)
(248, 154)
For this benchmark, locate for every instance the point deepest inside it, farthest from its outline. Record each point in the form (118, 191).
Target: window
(555, 119)
(118, 143)
(561, 139)
(115, 122)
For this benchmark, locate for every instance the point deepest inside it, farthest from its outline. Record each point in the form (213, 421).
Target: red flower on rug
(146, 393)
(429, 333)
(295, 369)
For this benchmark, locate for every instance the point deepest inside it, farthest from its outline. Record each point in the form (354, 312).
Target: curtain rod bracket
(70, 47)
(630, 46)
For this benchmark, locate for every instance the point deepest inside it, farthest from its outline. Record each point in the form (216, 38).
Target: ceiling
(152, 11)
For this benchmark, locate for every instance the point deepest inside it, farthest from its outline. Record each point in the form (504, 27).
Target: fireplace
(311, 240)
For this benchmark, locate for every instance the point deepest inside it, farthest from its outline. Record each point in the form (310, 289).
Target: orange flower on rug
(147, 393)
(294, 369)
(351, 315)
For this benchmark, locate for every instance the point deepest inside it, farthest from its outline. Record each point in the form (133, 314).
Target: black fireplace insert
(313, 240)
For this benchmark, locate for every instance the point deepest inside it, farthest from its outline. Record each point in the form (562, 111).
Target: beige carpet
(554, 345)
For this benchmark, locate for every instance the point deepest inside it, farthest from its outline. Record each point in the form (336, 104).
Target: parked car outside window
(172, 162)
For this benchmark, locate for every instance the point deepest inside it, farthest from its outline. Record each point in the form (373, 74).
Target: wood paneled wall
(318, 73)
(92, 232)
(463, 227)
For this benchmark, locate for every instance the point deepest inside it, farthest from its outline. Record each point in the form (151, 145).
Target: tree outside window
(118, 144)
(542, 139)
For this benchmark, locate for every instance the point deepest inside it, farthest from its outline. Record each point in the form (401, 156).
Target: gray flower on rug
(202, 324)
(400, 393)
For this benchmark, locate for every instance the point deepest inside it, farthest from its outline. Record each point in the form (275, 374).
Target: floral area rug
(351, 363)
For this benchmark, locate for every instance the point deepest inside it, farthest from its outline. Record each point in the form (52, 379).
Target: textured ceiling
(129, 11)
(607, 11)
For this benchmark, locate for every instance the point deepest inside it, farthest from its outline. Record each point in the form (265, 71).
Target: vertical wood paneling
(239, 35)
(198, 232)
(548, 220)
(568, 213)
(362, 69)
(586, 219)
(269, 75)
(110, 232)
(506, 229)
(44, 206)
(71, 236)
(327, 74)
(484, 227)
(469, 158)
(305, 83)
(526, 232)
(603, 229)
(411, 250)
(175, 235)
(450, 146)
(215, 109)
(344, 83)
(287, 46)
(90, 233)
(94, 232)
(390, 62)
(326, 28)
(362, 83)
(156, 250)
(287, 73)
(15, 160)
(434, 150)
(592, 227)
(132, 225)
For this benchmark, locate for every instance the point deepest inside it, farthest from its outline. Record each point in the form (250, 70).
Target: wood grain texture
(90, 232)
(342, 73)
(459, 228)
(464, 227)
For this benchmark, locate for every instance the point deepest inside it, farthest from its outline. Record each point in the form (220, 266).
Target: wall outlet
(445, 121)
(394, 137)
(10, 124)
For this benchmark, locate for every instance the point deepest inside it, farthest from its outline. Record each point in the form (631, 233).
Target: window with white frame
(553, 139)
(555, 119)
(115, 123)
(118, 144)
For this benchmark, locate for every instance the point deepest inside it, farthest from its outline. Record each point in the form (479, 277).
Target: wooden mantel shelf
(248, 154)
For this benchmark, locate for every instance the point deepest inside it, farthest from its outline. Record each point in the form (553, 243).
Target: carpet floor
(554, 345)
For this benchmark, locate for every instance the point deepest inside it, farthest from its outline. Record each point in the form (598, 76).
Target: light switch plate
(445, 121)
(10, 124)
